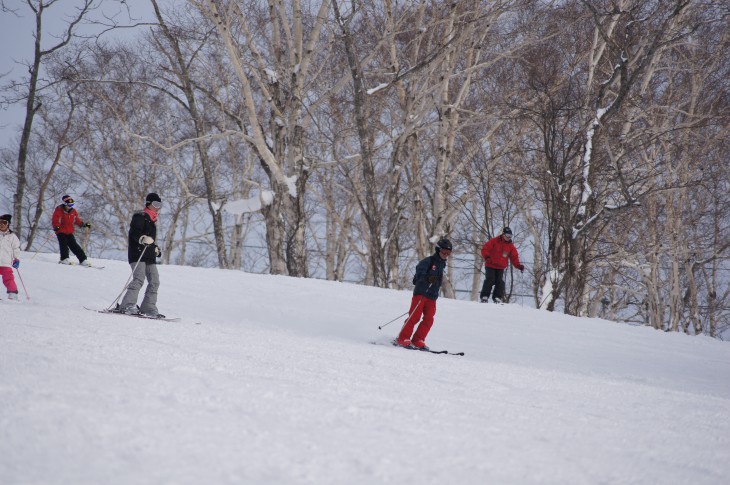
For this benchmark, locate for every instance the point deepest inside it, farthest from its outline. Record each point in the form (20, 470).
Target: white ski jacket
(9, 248)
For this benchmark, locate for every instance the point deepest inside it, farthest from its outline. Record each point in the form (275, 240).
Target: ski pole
(43, 245)
(406, 313)
(129, 279)
(23, 283)
(380, 327)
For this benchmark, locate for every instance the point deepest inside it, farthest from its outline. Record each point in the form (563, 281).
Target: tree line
(345, 137)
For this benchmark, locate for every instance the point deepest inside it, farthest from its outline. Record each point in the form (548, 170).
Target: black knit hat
(6, 217)
(507, 230)
(152, 197)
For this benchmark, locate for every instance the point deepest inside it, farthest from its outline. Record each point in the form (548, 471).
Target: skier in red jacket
(497, 253)
(64, 219)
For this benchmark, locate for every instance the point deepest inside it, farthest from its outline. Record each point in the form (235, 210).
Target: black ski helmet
(443, 244)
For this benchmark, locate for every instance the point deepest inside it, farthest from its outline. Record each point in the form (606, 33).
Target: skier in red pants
(429, 273)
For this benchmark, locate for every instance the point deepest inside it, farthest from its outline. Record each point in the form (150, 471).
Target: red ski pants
(8, 279)
(420, 306)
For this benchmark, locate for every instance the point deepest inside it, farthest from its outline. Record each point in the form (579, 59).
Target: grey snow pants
(149, 303)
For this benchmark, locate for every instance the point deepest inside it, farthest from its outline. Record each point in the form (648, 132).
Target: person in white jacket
(9, 256)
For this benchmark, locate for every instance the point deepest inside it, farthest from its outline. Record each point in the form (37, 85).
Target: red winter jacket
(65, 220)
(498, 251)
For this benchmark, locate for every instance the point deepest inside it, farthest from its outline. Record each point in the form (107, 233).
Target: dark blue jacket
(430, 266)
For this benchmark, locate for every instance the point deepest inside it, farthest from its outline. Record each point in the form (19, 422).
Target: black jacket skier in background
(142, 255)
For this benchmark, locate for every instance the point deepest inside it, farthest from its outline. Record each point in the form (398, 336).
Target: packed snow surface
(275, 380)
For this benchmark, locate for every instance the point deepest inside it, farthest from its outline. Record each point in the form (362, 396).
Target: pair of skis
(136, 315)
(411, 347)
(84, 266)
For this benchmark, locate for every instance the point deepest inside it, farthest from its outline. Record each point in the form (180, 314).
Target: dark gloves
(86, 224)
(521, 267)
(432, 279)
(56, 228)
(16, 263)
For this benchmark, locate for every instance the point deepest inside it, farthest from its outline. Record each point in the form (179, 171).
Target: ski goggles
(3, 222)
(157, 205)
(445, 251)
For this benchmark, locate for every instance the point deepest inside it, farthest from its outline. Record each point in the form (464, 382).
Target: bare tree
(174, 43)
(28, 89)
(428, 56)
(679, 260)
(581, 120)
(59, 137)
(281, 78)
(114, 168)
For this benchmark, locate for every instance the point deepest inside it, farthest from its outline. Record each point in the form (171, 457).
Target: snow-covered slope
(280, 384)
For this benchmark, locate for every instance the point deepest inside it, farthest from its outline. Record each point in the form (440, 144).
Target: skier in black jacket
(429, 273)
(142, 254)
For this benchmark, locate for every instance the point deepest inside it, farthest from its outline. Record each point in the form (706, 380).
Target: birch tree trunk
(61, 141)
(32, 88)
(278, 78)
(180, 67)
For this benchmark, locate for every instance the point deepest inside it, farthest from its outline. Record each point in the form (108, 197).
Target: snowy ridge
(281, 385)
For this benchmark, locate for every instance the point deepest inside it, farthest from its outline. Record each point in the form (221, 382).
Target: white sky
(16, 43)
(280, 384)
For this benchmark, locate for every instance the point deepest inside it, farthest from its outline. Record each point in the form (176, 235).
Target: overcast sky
(16, 43)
